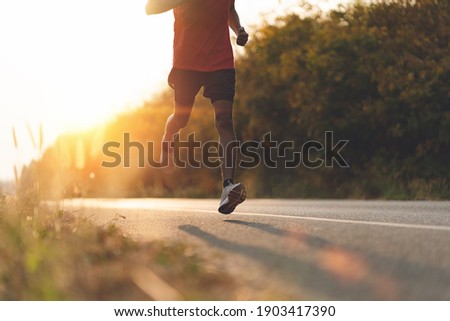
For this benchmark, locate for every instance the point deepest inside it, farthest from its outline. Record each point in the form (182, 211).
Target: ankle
(227, 182)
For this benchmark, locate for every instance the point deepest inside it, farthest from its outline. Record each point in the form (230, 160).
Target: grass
(48, 254)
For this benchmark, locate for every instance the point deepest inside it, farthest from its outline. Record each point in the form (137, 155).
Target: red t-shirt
(202, 36)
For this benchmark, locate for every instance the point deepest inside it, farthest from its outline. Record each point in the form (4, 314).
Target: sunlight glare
(88, 60)
(72, 66)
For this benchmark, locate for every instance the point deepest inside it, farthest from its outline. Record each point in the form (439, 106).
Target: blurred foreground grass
(49, 254)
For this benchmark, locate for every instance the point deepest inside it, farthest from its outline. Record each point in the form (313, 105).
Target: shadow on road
(312, 241)
(428, 282)
(317, 277)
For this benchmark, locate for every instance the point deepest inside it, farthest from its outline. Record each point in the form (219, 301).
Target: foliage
(376, 75)
(48, 254)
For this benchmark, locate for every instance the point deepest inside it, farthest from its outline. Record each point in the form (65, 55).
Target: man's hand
(242, 37)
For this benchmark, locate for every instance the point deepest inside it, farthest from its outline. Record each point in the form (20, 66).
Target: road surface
(302, 249)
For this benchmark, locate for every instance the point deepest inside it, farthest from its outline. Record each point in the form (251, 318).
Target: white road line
(320, 219)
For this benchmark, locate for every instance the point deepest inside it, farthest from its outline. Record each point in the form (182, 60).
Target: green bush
(376, 75)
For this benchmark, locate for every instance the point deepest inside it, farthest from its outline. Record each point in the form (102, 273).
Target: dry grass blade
(16, 175)
(153, 285)
(15, 138)
(41, 138)
(30, 132)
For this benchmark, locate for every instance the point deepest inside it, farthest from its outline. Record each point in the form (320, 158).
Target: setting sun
(71, 67)
(79, 64)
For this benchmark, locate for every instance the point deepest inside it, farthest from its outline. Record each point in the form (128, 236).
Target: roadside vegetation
(48, 254)
(376, 75)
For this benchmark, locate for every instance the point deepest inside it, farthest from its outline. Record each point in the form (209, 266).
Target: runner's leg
(186, 85)
(223, 112)
(177, 121)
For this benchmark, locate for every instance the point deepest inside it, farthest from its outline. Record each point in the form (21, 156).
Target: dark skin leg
(223, 112)
(177, 121)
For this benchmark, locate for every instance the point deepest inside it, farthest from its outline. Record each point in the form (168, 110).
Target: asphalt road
(302, 250)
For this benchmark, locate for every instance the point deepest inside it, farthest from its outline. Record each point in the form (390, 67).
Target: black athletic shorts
(218, 85)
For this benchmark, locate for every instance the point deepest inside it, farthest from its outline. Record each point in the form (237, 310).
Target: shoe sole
(237, 196)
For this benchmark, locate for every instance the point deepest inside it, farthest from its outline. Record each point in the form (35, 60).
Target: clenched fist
(242, 37)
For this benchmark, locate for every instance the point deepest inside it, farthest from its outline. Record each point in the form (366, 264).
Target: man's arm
(235, 24)
(160, 6)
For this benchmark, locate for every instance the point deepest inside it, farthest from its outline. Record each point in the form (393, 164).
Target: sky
(68, 65)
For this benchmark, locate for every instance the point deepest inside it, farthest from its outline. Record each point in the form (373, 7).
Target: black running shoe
(232, 196)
